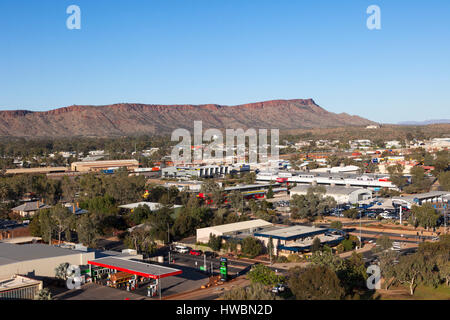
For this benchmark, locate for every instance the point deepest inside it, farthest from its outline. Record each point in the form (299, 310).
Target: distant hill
(423, 123)
(133, 119)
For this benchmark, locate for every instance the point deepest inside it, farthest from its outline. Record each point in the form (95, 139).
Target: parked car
(278, 288)
(181, 249)
(371, 215)
(195, 252)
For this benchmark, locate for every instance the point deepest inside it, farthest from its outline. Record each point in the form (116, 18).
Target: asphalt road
(196, 261)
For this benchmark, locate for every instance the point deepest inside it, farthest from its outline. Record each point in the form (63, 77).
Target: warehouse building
(342, 195)
(200, 171)
(87, 166)
(232, 229)
(297, 238)
(37, 259)
(19, 288)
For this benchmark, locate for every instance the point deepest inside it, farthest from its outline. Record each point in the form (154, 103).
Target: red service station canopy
(143, 269)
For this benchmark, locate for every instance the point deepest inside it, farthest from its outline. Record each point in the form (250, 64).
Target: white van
(181, 249)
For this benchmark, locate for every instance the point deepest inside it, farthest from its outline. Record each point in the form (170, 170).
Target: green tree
(215, 242)
(315, 246)
(43, 294)
(419, 181)
(387, 266)
(256, 291)
(270, 248)
(425, 215)
(336, 225)
(384, 242)
(260, 273)
(348, 244)
(46, 225)
(251, 247)
(396, 175)
(140, 240)
(315, 283)
(236, 201)
(413, 270)
(87, 230)
(329, 260)
(140, 214)
(351, 213)
(444, 180)
(62, 218)
(269, 194)
(311, 205)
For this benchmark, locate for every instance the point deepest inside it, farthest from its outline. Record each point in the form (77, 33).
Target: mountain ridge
(135, 118)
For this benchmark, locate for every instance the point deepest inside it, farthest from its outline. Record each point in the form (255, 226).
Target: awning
(143, 269)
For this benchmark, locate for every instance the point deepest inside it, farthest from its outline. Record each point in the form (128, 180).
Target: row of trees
(430, 265)
(311, 205)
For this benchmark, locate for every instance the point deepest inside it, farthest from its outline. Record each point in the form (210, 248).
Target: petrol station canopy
(143, 269)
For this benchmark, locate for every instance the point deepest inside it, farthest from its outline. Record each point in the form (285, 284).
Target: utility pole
(360, 226)
(204, 261)
(168, 234)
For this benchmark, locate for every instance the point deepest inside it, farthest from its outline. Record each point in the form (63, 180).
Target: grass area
(421, 293)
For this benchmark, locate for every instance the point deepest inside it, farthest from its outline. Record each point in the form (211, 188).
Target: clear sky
(229, 52)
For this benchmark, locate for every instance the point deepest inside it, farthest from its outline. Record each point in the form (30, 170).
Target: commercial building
(342, 179)
(297, 238)
(153, 206)
(232, 229)
(37, 170)
(19, 287)
(37, 259)
(87, 166)
(340, 169)
(285, 240)
(11, 229)
(432, 197)
(200, 171)
(342, 195)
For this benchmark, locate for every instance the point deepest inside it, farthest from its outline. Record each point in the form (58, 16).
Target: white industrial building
(200, 171)
(232, 229)
(326, 178)
(153, 206)
(342, 195)
(37, 259)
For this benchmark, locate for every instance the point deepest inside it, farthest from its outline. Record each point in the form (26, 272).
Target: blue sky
(229, 52)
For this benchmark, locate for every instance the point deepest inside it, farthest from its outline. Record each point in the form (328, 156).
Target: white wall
(44, 267)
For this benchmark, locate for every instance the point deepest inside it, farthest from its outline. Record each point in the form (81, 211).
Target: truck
(119, 278)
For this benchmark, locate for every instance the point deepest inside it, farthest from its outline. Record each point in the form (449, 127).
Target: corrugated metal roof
(329, 189)
(152, 205)
(31, 206)
(11, 253)
(238, 226)
(291, 232)
(136, 267)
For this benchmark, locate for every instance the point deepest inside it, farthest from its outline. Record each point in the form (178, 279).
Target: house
(75, 209)
(29, 209)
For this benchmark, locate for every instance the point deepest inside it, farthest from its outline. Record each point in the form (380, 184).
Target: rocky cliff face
(130, 119)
